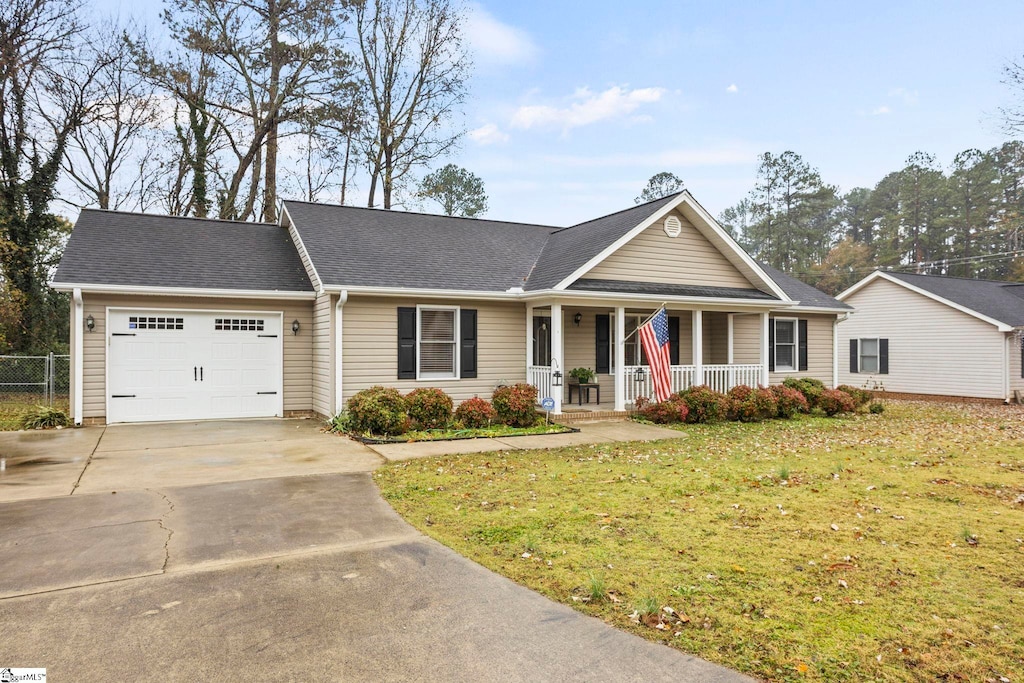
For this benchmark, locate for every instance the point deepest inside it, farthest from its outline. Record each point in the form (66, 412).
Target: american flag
(654, 337)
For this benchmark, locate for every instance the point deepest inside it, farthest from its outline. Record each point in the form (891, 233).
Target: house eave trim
(182, 291)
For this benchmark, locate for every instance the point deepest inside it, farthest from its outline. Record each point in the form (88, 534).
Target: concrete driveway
(145, 572)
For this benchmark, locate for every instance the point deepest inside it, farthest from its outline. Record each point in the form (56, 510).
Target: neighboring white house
(934, 335)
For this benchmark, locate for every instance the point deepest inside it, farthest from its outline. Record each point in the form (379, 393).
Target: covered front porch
(717, 346)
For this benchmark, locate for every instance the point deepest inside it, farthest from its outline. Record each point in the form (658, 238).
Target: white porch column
(339, 390)
(557, 356)
(620, 358)
(529, 340)
(77, 351)
(732, 371)
(835, 352)
(698, 346)
(764, 349)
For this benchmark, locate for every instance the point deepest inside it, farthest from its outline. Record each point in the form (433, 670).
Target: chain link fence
(28, 381)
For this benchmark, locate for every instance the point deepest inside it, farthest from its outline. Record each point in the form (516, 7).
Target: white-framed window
(437, 342)
(786, 344)
(634, 350)
(867, 356)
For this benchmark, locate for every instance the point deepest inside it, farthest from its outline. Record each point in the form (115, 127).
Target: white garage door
(190, 365)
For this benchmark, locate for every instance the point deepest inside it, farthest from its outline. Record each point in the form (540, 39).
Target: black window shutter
(673, 339)
(883, 356)
(603, 344)
(406, 343)
(803, 345)
(854, 361)
(771, 344)
(467, 348)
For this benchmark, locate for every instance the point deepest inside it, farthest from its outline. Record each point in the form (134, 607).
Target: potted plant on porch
(582, 375)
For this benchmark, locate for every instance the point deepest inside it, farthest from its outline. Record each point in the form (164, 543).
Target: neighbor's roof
(808, 296)
(133, 249)
(1002, 301)
(352, 246)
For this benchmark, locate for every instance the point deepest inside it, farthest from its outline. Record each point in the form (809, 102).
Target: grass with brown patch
(876, 547)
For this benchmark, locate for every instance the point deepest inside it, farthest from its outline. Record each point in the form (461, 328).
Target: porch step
(587, 415)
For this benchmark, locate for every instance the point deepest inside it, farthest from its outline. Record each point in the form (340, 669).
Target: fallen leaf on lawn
(843, 584)
(835, 527)
(739, 569)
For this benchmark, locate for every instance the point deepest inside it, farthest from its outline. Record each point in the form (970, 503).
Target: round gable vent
(673, 227)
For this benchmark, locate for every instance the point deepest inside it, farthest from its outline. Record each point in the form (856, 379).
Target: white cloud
(487, 134)
(881, 111)
(495, 43)
(908, 96)
(590, 107)
(732, 89)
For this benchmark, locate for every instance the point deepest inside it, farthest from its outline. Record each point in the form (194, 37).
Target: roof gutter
(181, 291)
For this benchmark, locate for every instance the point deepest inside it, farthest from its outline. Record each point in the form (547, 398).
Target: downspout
(1007, 345)
(339, 396)
(77, 353)
(835, 348)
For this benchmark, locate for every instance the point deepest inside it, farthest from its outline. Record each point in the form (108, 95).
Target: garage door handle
(195, 373)
(122, 334)
(122, 396)
(265, 393)
(274, 336)
(200, 373)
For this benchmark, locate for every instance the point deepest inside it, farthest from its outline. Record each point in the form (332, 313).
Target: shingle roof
(1003, 301)
(662, 289)
(117, 248)
(569, 248)
(353, 246)
(796, 290)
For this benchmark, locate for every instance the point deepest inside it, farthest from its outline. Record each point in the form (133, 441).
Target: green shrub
(747, 404)
(666, 412)
(516, 405)
(43, 417)
(789, 401)
(808, 386)
(475, 413)
(705, 404)
(429, 408)
(832, 402)
(378, 410)
(860, 397)
(876, 409)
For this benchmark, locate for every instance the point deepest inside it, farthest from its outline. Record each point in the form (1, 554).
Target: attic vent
(673, 227)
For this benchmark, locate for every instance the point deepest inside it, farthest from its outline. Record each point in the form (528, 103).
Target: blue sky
(573, 106)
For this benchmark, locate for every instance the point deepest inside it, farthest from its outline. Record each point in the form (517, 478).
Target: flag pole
(662, 306)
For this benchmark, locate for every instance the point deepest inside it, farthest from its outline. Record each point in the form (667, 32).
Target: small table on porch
(580, 387)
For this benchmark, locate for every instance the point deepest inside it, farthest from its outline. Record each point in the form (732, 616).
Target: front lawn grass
(875, 547)
(493, 431)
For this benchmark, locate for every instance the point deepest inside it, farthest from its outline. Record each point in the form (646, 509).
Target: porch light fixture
(90, 323)
(576, 319)
(556, 378)
(295, 327)
(638, 374)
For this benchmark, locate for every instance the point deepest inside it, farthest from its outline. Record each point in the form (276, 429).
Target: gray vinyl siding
(297, 362)
(747, 344)
(653, 256)
(323, 354)
(933, 348)
(370, 346)
(746, 339)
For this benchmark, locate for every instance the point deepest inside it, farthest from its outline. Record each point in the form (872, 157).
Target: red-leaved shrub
(789, 401)
(833, 402)
(705, 404)
(665, 412)
(748, 404)
(378, 410)
(429, 408)
(860, 396)
(475, 413)
(516, 405)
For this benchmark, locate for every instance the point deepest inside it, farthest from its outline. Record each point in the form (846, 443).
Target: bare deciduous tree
(415, 70)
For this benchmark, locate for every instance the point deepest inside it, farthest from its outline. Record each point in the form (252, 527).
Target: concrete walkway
(295, 575)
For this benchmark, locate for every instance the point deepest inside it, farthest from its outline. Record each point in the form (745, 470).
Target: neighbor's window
(785, 344)
(868, 359)
(437, 335)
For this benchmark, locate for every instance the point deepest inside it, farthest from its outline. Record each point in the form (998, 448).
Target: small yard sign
(548, 404)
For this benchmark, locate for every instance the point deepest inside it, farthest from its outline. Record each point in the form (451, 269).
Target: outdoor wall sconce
(556, 378)
(576, 319)
(90, 323)
(638, 375)
(295, 327)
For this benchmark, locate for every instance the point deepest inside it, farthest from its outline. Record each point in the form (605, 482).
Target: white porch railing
(540, 377)
(718, 377)
(725, 377)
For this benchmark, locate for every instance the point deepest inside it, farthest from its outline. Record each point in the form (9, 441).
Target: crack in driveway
(170, 531)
